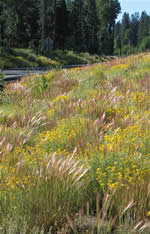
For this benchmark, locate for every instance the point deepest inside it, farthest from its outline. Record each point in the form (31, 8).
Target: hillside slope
(18, 58)
(77, 142)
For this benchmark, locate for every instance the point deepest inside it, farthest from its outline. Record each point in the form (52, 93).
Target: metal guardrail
(12, 75)
(17, 73)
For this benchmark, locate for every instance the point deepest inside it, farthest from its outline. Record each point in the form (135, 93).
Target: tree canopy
(132, 34)
(82, 25)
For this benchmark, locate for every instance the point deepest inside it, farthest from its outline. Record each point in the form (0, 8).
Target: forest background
(79, 25)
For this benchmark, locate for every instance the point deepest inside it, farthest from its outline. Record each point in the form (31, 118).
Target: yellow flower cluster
(119, 67)
(126, 140)
(122, 172)
(63, 136)
(140, 97)
(60, 98)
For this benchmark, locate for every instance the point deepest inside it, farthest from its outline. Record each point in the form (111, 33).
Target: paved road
(14, 74)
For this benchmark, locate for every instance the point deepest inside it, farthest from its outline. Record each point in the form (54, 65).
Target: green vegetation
(75, 58)
(14, 58)
(72, 25)
(75, 150)
(18, 58)
(132, 34)
(78, 25)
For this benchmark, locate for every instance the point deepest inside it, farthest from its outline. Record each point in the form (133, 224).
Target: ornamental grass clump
(56, 190)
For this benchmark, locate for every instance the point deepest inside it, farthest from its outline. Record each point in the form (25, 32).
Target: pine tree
(124, 28)
(144, 27)
(134, 25)
(20, 22)
(43, 20)
(78, 14)
(9, 19)
(91, 24)
(60, 24)
(108, 12)
(117, 36)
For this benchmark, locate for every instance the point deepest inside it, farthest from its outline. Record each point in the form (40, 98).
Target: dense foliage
(132, 34)
(81, 25)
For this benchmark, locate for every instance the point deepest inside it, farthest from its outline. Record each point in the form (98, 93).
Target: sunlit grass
(93, 123)
(19, 57)
(24, 58)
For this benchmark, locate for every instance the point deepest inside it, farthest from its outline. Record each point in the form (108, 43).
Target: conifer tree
(78, 13)
(60, 24)
(108, 12)
(144, 26)
(91, 24)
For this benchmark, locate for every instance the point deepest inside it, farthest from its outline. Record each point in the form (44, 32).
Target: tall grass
(103, 112)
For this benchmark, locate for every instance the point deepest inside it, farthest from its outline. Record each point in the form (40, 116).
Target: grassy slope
(101, 113)
(23, 58)
(27, 58)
